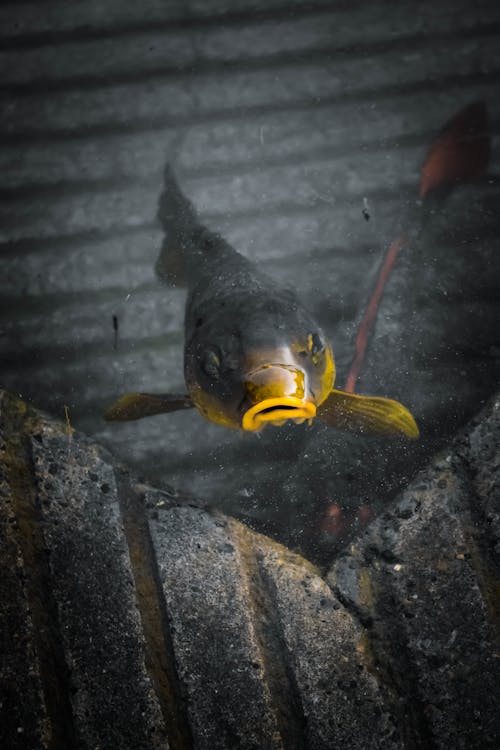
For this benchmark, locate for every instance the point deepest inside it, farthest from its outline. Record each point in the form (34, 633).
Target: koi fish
(253, 354)
(460, 153)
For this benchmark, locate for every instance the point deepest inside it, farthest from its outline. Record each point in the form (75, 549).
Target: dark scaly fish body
(253, 354)
(248, 341)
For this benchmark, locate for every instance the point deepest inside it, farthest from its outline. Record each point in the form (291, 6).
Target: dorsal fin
(180, 223)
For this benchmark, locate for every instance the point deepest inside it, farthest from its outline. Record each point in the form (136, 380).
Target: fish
(253, 354)
(460, 153)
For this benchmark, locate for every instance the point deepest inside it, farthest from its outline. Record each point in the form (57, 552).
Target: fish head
(252, 371)
(287, 382)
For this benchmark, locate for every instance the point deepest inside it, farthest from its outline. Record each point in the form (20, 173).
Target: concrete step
(130, 617)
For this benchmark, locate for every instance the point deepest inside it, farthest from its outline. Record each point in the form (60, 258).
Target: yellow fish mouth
(277, 411)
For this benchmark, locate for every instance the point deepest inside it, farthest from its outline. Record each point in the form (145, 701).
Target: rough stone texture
(425, 579)
(479, 452)
(192, 632)
(92, 585)
(268, 656)
(341, 702)
(132, 618)
(219, 658)
(74, 559)
(23, 722)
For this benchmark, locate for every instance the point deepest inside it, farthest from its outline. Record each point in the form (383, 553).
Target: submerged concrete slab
(88, 648)
(133, 618)
(425, 579)
(166, 625)
(20, 665)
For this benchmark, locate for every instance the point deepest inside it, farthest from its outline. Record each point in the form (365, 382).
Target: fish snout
(277, 393)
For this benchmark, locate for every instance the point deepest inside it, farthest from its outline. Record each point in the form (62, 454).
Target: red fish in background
(460, 153)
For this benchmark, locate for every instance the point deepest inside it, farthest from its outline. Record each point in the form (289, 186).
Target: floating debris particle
(115, 332)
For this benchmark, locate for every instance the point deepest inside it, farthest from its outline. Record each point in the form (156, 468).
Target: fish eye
(316, 346)
(210, 364)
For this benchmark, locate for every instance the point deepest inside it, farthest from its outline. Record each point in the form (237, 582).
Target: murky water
(321, 119)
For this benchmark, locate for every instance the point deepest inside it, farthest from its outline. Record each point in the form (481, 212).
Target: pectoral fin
(138, 405)
(370, 414)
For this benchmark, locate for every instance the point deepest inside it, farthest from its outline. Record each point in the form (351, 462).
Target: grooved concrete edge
(425, 580)
(131, 618)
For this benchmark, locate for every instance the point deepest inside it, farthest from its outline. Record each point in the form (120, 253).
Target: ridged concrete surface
(425, 579)
(132, 618)
(194, 632)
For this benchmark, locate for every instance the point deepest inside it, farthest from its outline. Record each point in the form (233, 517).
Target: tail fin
(180, 223)
(461, 151)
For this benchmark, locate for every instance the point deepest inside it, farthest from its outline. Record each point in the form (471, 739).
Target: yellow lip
(277, 411)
